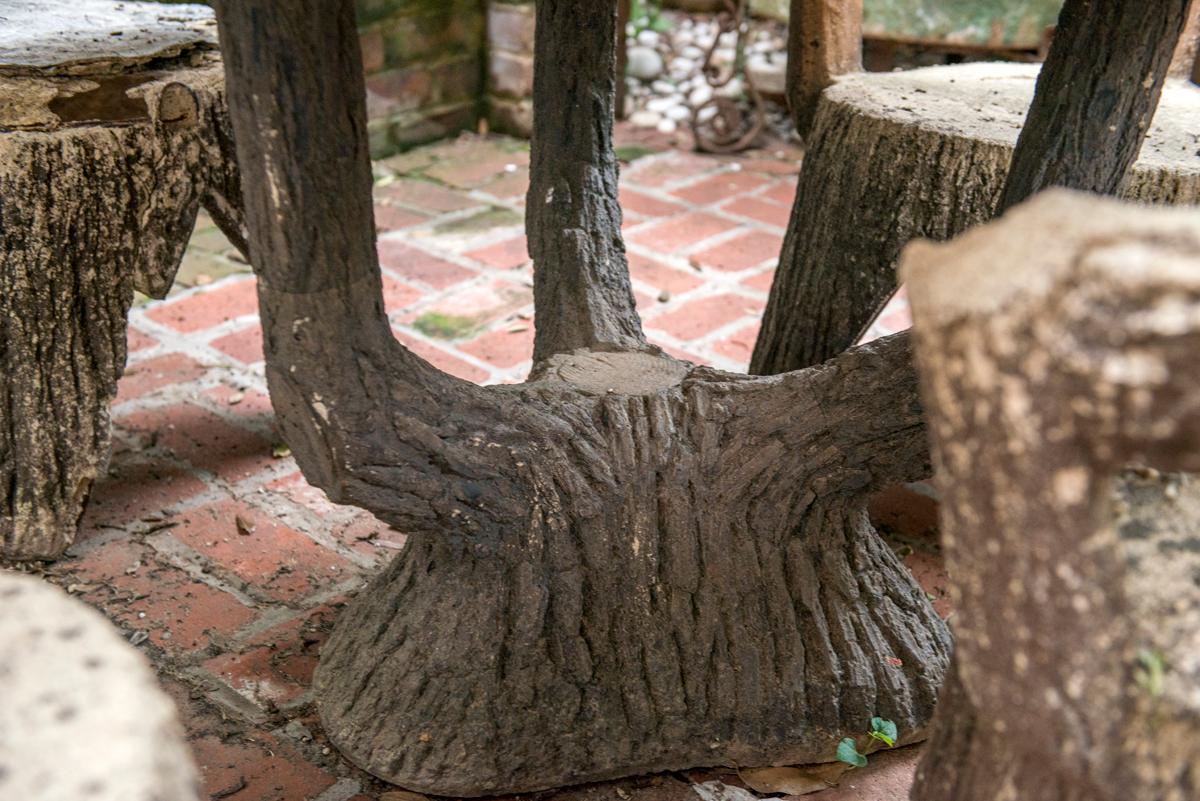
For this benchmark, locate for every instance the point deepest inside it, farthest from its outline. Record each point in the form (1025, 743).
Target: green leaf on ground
(885, 731)
(847, 752)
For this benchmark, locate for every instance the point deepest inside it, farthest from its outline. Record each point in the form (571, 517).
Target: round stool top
(987, 102)
(74, 37)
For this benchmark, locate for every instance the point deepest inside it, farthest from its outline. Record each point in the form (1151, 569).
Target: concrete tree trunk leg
(1057, 347)
(107, 151)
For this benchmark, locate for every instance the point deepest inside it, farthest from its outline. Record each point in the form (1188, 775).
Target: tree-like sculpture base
(625, 564)
(666, 598)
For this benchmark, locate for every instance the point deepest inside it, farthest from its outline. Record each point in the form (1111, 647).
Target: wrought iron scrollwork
(734, 123)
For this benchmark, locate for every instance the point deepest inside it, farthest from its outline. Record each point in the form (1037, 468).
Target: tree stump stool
(920, 154)
(83, 716)
(113, 132)
(1056, 347)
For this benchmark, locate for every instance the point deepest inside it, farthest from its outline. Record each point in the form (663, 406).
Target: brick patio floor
(207, 547)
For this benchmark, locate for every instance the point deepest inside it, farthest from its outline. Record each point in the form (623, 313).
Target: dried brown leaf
(793, 780)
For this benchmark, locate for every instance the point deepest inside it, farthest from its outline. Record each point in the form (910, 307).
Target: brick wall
(510, 65)
(423, 61)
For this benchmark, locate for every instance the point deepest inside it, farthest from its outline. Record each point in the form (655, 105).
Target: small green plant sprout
(884, 731)
(847, 752)
(1149, 671)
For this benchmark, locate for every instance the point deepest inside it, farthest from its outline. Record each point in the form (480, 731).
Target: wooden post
(824, 41)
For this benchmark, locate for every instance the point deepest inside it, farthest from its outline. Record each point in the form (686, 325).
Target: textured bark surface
(103, 165)
(625, 564)
(1056, 346)
(83, 716)
(898, 156)
(1096, 95)
(572, 218)
(824, 42)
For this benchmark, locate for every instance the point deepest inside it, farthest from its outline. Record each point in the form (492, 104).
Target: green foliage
(884, 731)
(444, 326)
(1149, 671)
(647, 15)
(628, 153)
(847, 752)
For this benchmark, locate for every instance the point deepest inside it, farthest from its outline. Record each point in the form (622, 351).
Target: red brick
(645, 205)
(276, 559)
(265, 770)
(677, 233)
(296, 488)
(678, 353)
(245, 345)
(397, 295)
(668, 169)
(143, 378)
(483, 303)
(389, 217)
(203, 440)
(250, 403)
(472, 162)
(371, 43)
(761, 280)
(510, 74)
(740, 253)
(661, 276)
(257, 674)
(136, 340)
(895, 320)
(208, 308)
(782, 191)
(739, 345)
(177, 612)
(780, 163)
(510, 27)
(133, 490)
(699, 317)
(503, 255)
(757, 208)
(503, 348)
(416, 265)
(719, 187)
(425, 196)
(513, 183)
(441, 359)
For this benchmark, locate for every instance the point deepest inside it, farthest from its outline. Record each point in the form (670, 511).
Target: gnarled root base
(662, 606)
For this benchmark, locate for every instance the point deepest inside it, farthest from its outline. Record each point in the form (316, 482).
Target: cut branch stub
(1057, 346)
(107, 149)
(924, 153)
(626, 563)
(83, 716)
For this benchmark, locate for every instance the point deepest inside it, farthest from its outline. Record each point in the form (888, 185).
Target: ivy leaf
(885, 731)
(847, 752)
